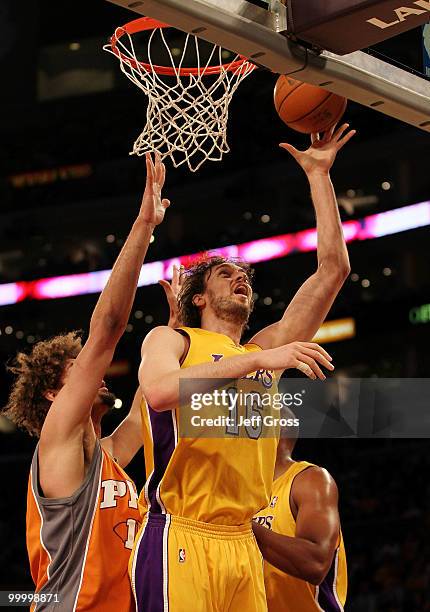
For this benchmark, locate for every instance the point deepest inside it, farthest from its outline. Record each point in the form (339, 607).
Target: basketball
(307, 108)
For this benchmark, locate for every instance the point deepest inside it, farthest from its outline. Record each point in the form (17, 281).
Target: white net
(186, 117)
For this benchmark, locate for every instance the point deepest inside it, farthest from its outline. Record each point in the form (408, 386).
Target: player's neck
(212, 323)
(282, 464)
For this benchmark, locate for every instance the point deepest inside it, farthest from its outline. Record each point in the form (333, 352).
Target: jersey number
(131, 533)
(253, 415)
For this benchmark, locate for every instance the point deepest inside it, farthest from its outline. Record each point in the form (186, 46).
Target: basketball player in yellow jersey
(82, 511)
(300, 538)
(195, 548)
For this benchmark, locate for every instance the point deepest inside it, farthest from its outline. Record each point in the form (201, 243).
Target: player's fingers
(315, 136)
(165, 284)
(305, 369)
(346, 138)
(168, 291)
(175, 279)
(165, 202)
(303, 358)
(338, 134)
(292, 150)
(149, 168)
(157, 166)
(181, 276)
(160, 170)
(148, 164)
(328, 134)
(163, 174)
(331, 130)
(318, 357)
(316, 347)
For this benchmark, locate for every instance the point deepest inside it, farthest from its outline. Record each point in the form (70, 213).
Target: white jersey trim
(89, 533)
(336, 564)
(41, 527)
(146, 486)
(166, 564)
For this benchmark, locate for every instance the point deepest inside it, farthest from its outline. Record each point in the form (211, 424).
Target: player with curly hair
(82, 507)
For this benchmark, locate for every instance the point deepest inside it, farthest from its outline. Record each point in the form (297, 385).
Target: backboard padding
(251, 31)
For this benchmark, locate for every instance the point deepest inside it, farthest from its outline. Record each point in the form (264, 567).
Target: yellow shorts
(179, 565)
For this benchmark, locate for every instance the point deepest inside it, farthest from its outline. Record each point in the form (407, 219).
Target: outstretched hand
(321, 154)
(153, 206)
(172, 292)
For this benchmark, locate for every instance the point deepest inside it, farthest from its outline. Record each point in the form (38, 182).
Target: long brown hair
(37, 373)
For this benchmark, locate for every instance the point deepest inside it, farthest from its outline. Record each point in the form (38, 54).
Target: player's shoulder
(315, 478)
(163, 334)
(252, 346)
(161, 331)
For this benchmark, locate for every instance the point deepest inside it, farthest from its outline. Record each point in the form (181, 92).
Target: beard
(228, 309)
(105, 398)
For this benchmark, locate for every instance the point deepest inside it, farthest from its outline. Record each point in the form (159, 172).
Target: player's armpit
(62, 466)
(126, 440)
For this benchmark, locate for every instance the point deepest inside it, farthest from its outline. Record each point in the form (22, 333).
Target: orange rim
(147, 23)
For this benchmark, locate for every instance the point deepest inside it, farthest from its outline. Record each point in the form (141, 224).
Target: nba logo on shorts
(181, 557)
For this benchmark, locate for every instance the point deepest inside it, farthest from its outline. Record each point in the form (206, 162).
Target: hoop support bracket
(250, 31)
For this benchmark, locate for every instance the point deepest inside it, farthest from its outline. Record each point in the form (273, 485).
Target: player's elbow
(334, 271)
(316, 571)
(158, 397)
(344, 269)
(107, 327)
(156, 401)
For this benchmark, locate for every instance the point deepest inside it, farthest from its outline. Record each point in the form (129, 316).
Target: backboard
(256, 31)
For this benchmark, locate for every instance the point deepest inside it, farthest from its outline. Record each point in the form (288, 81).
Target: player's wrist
(145, 224)
(257, 359)
(316, 174)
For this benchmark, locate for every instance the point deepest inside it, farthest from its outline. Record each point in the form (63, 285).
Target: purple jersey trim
(163, 437)
(149, 568)
(326, 597)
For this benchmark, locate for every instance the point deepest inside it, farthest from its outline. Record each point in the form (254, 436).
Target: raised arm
(310, 553)
(70, 411)
(163, 348)
(126, 440)
(310, 305)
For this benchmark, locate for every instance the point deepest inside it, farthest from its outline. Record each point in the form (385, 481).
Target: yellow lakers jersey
(285, 592)
(223, 480)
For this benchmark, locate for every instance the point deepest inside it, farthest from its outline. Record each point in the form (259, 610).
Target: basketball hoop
(187, 112)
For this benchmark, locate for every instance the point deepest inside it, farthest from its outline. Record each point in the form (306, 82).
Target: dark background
(64, 107)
